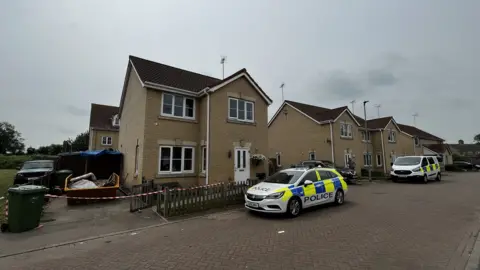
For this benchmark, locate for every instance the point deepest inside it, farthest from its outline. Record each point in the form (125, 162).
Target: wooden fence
(176, 202)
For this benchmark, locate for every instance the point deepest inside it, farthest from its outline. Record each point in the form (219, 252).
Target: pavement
(62, 223)
(382, 225)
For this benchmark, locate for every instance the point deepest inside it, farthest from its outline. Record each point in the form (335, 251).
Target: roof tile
(418, 133)
(101, 116)
(318, 113)
(157, 73)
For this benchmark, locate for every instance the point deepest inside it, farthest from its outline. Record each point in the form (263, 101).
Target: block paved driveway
(382, 226)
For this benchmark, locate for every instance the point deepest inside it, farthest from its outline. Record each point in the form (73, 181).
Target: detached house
(104, 125)
(429, 144)
(181, 126)
(301, 131)
(388, 141)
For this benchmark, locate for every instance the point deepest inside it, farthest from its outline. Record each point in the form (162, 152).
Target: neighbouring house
(470, 150)
(104, 126)
(301, 131)
(388, 142)
(429, 144)
(184, 127)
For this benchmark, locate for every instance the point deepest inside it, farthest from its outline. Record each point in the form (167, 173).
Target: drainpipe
(208, 138)
(383, 152)
(331, 143)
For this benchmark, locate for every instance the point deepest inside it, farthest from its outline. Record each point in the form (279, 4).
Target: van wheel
(294, 207)
(339, 197)
(425, 179)
(439, 177)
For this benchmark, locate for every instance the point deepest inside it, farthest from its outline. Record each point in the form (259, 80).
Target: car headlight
(416, 169)
(276, 195)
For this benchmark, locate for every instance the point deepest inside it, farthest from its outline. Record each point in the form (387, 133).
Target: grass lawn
(6, 180)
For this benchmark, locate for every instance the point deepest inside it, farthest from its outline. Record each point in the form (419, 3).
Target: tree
(81, 142)
(30, 150)
(461, 141)
(477, 139)
(10, 139)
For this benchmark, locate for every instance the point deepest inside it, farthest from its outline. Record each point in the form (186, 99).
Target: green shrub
(452, 168)
(13, 161)
(364, 173)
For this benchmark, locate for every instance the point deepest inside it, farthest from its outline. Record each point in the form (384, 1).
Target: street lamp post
(366, 142)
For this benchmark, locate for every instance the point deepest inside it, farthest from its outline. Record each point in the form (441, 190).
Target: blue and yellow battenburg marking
(318, 187)
(429, 168)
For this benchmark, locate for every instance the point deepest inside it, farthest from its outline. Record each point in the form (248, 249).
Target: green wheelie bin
(25, 205)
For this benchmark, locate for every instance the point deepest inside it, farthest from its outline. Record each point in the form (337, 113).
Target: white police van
(291, 190)
(422, 168)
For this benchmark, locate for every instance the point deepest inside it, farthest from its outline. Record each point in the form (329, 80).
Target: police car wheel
(339, 197)
(439, 177)
(294, 207)
(425, 179)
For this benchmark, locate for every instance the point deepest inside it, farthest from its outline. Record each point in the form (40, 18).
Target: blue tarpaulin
(97, 153)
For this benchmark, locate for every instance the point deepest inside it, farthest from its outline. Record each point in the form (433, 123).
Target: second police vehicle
(421, 168)
(291, 190)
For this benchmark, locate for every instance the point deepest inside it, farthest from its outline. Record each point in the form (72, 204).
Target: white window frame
(203, 165)
(368, 158)
(184, 111)
(346, 130)
(312, 155)
(392, 136)
(366, 136)
(378, 157)
(106, 139)
(245, 110)
(277, 159)
(182, 171)
(115, 121)
(417, 141)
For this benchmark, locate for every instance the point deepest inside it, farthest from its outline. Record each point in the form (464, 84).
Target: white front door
(242, 164)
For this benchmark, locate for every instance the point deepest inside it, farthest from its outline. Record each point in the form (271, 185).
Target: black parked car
(348, 174)
(464, 165)
(39, 172)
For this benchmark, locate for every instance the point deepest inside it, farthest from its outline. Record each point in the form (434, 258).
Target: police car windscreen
(288, 177)
(406, 161)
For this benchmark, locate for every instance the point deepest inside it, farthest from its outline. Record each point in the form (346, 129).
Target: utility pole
(378, 109)
(282, 86)
(353, 106)
(415, 115)
(366, 143)
(222, 61)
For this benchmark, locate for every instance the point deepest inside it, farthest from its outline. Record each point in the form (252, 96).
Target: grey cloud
(381, 77)
(342, 84)
(66, 130)
(76, 111)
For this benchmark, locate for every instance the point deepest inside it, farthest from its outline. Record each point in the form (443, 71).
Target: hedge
(11, 162)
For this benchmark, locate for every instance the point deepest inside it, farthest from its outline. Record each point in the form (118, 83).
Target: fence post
(224, 194)
(166, 201)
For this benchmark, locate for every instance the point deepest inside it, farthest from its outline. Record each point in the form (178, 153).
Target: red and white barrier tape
(126, 197)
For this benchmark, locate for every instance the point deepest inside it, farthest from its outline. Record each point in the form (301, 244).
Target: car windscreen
(407, 161)
(284, 177)
(38, 165)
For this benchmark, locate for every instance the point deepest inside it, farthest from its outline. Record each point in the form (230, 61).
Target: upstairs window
(240, 110)
(365, 136)
(346, 130)
(178, 106)
(115, 121)
(106, 140)
(392, 136)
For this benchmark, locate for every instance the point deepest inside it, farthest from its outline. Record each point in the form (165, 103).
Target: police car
(291, 190)
(422, 168)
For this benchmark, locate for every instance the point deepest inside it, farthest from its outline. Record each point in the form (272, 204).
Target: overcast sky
(421, 57)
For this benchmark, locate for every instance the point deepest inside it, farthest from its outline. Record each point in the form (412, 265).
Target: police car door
(308, 193)
(432, 173)
(328, 190)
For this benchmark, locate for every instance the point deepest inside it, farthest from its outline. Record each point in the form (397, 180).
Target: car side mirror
(307, 182)
(391, 163)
